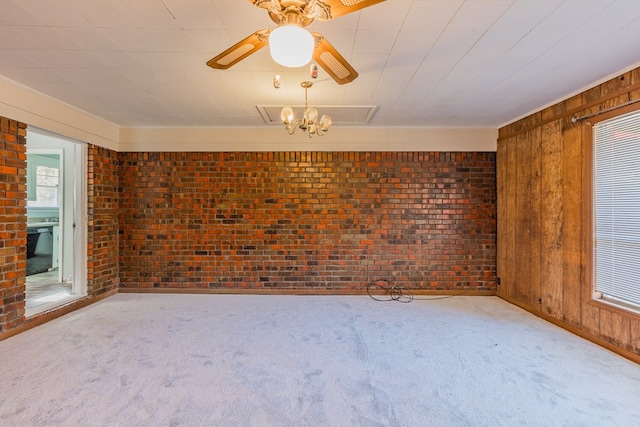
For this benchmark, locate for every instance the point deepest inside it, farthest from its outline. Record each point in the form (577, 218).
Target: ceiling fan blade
(266, 4)
(240, 50)
(325, 10)
(332, 62)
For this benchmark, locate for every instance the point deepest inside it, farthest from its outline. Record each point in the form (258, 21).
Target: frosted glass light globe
(286, 115)
(325, 122)
(291, 46)
(311, 114)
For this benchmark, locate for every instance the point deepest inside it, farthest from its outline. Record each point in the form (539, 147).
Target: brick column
(13, 219)
(102, 249)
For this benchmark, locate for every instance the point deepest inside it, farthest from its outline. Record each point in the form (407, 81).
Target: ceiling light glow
(291, 46)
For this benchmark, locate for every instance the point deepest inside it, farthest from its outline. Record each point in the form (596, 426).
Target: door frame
(80, 227)
(61, 183)
(78, 210)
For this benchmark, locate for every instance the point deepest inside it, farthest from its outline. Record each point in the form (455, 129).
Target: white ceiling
(446, 63)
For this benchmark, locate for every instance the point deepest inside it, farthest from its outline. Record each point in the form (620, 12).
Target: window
(47, 180)
(616, 172)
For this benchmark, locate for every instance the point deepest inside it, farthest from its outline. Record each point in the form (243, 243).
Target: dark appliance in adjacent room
(39, 259)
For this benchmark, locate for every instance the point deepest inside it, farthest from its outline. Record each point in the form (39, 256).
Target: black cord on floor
(392, 292)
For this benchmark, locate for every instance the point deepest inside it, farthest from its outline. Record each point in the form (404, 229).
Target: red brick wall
(102, 236)
(13, 222)
(102, 207)
(299, 220)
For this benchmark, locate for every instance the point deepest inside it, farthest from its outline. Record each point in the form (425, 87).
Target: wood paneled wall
(544, 224)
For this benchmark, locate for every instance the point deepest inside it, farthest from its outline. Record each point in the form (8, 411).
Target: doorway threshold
(50, 302)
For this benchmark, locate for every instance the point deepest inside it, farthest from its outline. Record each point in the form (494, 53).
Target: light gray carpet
(239, 360)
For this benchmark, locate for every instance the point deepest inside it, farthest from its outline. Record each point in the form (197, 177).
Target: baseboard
(576, 331)
(285, 291)
(54, 313)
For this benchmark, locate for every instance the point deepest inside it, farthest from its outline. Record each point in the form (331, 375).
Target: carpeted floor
(240, 360)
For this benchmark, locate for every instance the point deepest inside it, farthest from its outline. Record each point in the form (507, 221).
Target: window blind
(617, 208)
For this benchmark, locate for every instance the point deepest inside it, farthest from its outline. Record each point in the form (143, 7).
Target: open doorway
(56, 231)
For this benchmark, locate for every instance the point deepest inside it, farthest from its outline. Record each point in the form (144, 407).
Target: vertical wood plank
(572, 224)
(634, 335)
(590, 313)
(537, 214)
(512, 179)
(614, 327)
(551, 227)
(523, 222)
(501, 202)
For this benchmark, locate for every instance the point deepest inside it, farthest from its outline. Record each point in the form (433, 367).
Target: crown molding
(272, 138)
(21, 103)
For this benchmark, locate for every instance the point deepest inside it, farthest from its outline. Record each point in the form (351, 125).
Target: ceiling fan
(294, 15)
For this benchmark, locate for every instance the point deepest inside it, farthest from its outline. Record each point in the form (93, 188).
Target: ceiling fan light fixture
(291, 46)
(297, 49)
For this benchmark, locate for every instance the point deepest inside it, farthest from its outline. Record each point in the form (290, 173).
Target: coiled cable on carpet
(392, 292)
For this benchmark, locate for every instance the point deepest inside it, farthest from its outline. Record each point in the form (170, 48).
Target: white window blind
(617, 209)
